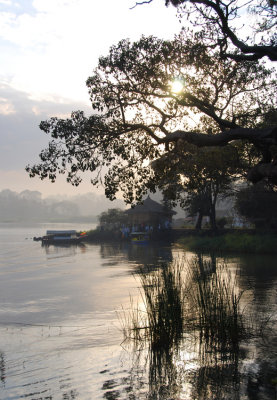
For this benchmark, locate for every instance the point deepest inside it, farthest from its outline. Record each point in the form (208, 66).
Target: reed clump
(164, 305)
(187, 297)
(159, 319)
(213, 301)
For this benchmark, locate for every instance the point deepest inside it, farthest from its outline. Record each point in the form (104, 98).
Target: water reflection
(207, 352)
(63, 250)
(139, 256)
(2, 368)
(261, 274)
(165, 374)
(77, 352)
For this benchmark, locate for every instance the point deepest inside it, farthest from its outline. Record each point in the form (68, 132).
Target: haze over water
(60, 331)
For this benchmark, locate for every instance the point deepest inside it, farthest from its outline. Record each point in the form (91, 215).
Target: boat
(140, 237)
(61, 237)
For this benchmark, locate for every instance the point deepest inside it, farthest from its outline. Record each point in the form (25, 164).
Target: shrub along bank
(231, 242)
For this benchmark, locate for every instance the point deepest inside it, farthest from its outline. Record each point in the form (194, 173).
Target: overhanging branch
(138, 3)
(266, 136)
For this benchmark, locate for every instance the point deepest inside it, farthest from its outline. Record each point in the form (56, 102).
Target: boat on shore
(140, 237)
(61, 237)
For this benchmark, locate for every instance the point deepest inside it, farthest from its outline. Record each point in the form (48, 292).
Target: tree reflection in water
(143, 255)
(2, 369)
(193, 332)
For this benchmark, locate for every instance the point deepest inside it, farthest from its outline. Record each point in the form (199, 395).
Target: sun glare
(177, 86)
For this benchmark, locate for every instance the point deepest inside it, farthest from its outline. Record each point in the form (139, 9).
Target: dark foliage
(258, 204)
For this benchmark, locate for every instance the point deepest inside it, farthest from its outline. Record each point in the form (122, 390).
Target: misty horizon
(32, 206)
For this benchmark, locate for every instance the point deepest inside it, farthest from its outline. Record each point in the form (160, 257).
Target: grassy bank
(231, 242)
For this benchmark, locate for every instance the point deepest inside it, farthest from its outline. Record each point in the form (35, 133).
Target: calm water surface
(60, 334)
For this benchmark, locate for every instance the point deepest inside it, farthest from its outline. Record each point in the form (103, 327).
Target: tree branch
(139, 3)
(135, 127)
(265, 136)
(209, 110)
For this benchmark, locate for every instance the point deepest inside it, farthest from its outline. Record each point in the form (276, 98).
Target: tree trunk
(198, 224)
(213, 217)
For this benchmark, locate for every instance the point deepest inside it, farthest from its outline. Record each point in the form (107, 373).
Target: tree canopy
(151, 97)
(258, 205)
(199, 179)
(240, 30)
(112, 218)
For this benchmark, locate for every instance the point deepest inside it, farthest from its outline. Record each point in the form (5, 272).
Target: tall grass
(187, 297)
(190, 313)
(157, 325)
(213, 303)
(160, 320)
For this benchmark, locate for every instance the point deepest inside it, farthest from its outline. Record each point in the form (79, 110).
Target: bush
(231, 242)
(221, 222)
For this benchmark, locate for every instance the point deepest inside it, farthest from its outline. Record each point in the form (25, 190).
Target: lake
(61, 311)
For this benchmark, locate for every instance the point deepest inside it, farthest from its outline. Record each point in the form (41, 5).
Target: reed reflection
(192, 326)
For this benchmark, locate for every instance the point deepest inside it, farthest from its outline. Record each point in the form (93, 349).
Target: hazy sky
(48, 48)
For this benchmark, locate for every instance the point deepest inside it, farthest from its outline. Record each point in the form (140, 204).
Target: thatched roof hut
(150, 213)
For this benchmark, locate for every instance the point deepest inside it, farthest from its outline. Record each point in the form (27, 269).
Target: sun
(177, 86)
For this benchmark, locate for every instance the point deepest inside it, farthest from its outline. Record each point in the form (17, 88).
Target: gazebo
(151, 214)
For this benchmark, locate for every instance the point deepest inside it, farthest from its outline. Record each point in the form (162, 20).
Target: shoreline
(228, 240)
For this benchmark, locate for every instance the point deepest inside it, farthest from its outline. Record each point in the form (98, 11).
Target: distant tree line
(29, 205)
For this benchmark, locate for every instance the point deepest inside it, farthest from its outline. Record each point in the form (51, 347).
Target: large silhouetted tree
(149, 99)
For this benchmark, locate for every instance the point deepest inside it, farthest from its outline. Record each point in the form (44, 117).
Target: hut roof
(150, 206)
